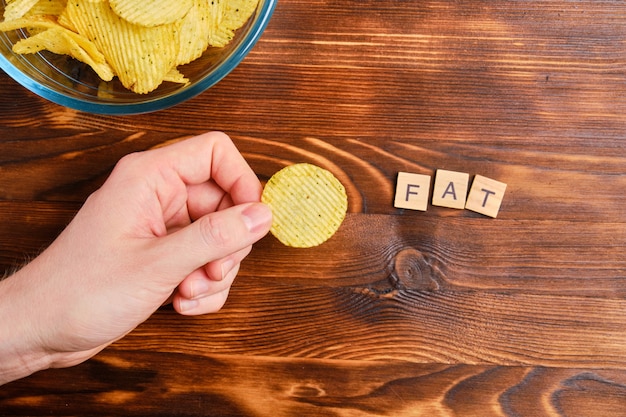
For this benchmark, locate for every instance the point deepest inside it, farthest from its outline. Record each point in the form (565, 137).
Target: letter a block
(485, 196)
(412, 191)
(450, 189)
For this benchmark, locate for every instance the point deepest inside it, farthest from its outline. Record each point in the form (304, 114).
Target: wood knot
(307, 391)
(412, 271)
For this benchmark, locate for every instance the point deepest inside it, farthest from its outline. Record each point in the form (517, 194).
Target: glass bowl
(70, 83)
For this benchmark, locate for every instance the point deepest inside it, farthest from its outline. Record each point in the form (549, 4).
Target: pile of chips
(308, 204)
(142, 42)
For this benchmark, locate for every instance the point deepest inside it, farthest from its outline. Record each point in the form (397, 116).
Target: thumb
(210, 238)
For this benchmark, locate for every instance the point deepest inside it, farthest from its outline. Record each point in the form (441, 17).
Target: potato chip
(175, 76)
(47, 7)
(47, 34)
(44, 8)
(237, 12)
(229, 16)
(20, 23)
(17, 8)
(142, 42)
(151, 12)
(58, 40)
(149, 53)
(212, 23)
(308, 204)
(194, 32)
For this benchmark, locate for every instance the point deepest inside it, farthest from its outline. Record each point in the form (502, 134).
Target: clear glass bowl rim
(260, 22)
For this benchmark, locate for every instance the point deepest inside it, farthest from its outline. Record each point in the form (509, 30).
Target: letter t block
(412, 191)
(485, 196)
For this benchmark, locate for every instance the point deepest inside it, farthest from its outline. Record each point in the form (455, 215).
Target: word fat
(450, 190)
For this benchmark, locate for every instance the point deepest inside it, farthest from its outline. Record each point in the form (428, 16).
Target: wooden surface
(403, 313)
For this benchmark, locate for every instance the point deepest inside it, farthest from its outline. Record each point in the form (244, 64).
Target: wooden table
(442, 312)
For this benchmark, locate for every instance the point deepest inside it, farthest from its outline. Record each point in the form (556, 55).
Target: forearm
(20, 354)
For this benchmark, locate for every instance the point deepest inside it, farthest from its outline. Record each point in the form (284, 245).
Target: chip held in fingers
(308, 205)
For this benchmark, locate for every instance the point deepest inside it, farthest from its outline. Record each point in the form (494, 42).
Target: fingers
(205, 290)
(210, 279)
(212, 237)
(192, 175)
(201, 295)
(205, 305)
(212, 156)
(206, 198)
(196, 202)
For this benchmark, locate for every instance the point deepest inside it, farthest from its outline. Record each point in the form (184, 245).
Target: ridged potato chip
(308, 205)
(237, 12)
(47, 7)
(48, 35)
(58, 40)
(18, 8)
(147, 55)
(151, 12)
(194, 32)
(175, 76)
(142, 42)
(231, 15)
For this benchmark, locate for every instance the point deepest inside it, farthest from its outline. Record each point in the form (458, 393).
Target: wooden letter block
(412, 191)
(485, 196)
(450, 189)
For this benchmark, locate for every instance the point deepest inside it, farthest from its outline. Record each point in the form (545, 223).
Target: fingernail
(186, 304)
(199, 288)
(257, 217)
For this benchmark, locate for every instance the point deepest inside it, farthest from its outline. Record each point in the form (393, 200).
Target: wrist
(20, 353)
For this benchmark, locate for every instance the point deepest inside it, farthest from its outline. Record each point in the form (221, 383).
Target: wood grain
(438, 313)
(381, 323)
(151, 383)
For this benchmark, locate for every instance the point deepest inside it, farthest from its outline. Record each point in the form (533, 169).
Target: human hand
(172, 223)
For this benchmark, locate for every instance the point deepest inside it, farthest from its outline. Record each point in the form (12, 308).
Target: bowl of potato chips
(126, 56)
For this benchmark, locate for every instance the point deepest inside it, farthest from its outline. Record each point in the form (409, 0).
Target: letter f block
(412, 191)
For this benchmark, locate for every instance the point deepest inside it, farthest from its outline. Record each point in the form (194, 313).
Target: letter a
(449, 190)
